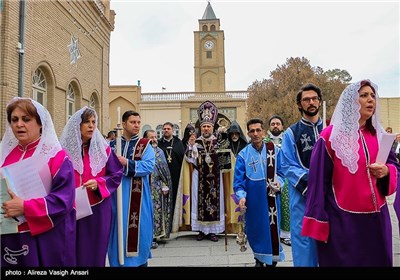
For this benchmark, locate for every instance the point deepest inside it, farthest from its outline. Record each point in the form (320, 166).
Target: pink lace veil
(71, 141)
(48, 144)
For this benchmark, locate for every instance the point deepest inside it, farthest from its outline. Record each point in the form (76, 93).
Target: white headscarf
(345, 131)
(48, 144)
(71, 141)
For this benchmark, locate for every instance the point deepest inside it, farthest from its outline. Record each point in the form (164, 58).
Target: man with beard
(275, 131)
(298, 142)
(275, 135)
(174, 152)
(237, 139)
(204, 193)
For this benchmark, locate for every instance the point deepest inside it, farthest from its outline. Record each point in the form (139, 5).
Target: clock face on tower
(209, 45)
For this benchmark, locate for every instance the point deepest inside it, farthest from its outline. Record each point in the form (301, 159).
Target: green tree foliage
(337, 74)
(277, 95)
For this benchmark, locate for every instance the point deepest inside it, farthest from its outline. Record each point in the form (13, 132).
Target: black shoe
(286, 241)
(154, 245)
(271, 265)
(213, 237)
(258, 263)
(200, 236)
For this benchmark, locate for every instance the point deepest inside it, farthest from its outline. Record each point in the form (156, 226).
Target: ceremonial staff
(119, 195)
(226, 234)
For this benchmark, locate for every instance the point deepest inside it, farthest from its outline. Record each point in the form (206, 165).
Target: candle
(119, 114)
(119, 196)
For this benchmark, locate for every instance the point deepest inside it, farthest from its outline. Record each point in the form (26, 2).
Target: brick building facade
(56, 52)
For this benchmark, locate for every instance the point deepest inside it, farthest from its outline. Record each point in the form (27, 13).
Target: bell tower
(209, 54)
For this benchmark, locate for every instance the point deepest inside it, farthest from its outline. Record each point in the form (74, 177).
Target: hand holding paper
(7, 225)
(379, 170)
(14, 206)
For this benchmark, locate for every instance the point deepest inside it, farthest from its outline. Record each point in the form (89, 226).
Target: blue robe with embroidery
(250, 182)
(297, 144)
(134, 168)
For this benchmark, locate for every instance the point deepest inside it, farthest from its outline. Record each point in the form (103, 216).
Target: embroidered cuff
(241, 194)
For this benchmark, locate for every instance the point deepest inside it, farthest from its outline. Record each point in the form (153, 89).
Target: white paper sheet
(83, 208)
(384, 147)
(29, 178)
(7, 225)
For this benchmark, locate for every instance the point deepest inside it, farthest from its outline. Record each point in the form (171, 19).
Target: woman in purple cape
(45, 234)
(97, 170)
(346, 209)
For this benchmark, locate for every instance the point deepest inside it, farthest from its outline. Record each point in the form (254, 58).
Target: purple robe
(93, 232)
(47, 238)
(347, 213)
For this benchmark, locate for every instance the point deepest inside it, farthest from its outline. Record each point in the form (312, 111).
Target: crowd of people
(91, 197)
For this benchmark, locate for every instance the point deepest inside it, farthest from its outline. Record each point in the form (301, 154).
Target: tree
(337, 74)
(277, 95)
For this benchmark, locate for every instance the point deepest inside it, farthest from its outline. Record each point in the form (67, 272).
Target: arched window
(70, 101)
(39, 87)
(177, 130)
(159, 131)
(145, 127)
(212, 28)
(92, 102)
(205, 28)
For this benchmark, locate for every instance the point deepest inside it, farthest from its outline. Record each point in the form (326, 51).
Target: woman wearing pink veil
(45, 235)
(97, 170)
(346, 209)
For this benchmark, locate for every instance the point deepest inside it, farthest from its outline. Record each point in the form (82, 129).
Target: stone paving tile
(195, 261)
(183, 250)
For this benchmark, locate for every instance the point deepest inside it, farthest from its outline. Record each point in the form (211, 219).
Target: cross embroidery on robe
(137, 182)
(253, 164)
(273, 211)
(208, 193)
(139, 150)
(134, 218)
(304, 140)
(132, 244)
(271, 157)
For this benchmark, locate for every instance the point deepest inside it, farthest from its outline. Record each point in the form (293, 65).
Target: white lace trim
(48, 145)
(345, 135)
(71, 141)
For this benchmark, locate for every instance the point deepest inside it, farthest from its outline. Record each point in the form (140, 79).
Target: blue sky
(153, 40)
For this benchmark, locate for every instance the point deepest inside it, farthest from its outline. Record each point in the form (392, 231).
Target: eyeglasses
(308, 99)
(255, 130)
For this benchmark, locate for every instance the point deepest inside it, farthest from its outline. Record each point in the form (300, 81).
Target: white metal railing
(182, 96)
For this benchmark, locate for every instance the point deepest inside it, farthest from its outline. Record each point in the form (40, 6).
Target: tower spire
(209, 12)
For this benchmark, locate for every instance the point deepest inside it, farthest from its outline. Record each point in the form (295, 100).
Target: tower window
(205, 28)
(212, 28)
(209, 54)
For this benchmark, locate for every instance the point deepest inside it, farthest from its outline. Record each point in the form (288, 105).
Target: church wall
(49, 26)
(390, 112)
